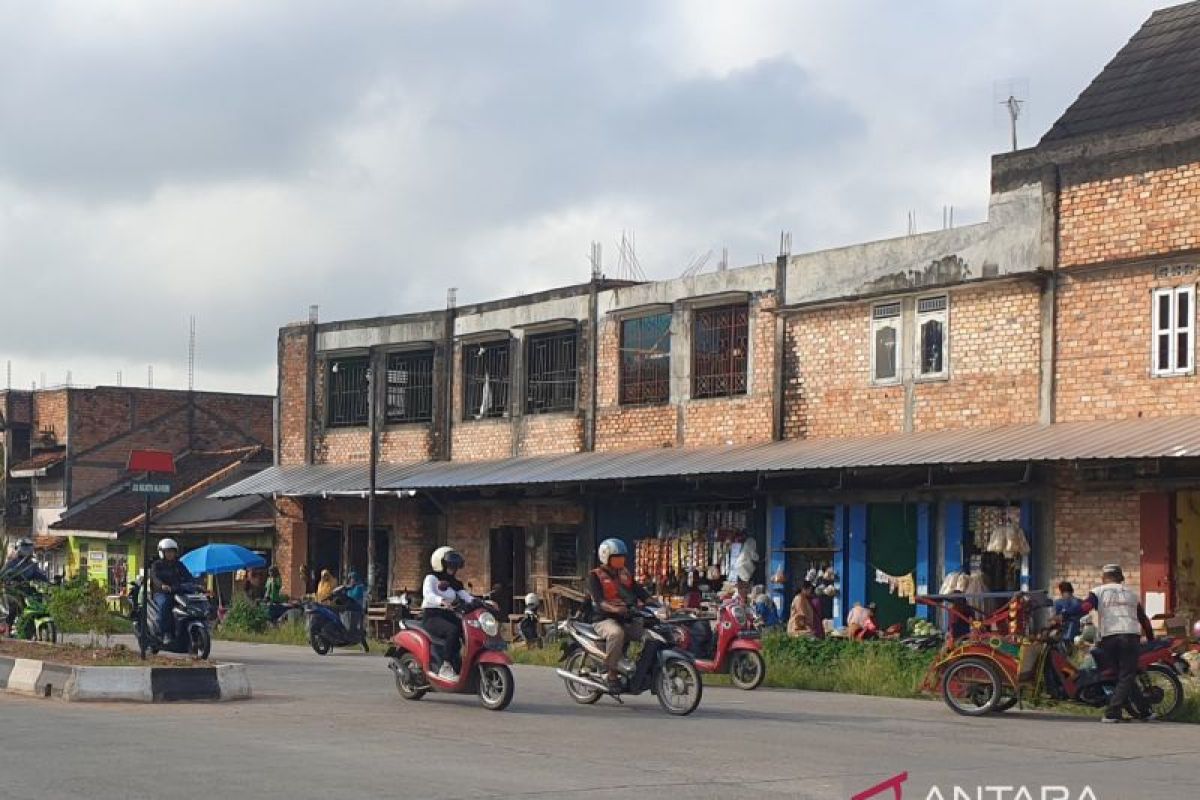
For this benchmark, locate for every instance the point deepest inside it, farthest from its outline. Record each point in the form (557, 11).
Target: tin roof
(39, 464)
(1168, 437)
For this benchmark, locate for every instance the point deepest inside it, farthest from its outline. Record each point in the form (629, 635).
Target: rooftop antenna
(118, 377)
(452, 297)
(191, 352)
(149, 376)
(1010, 96)
(312, 314)
(596, 259)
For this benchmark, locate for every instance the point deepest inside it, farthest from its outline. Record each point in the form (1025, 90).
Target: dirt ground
(83, 656)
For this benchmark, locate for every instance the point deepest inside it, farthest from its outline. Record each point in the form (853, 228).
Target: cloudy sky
(239, 161)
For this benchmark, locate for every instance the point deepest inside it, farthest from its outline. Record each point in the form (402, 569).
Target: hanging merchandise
(904, 586)
(950, 582)
(1016, 544)
(976, 584)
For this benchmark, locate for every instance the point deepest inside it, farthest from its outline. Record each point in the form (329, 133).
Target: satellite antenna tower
(191, 352)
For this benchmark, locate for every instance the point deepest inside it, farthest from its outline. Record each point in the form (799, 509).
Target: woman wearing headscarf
(326, 586)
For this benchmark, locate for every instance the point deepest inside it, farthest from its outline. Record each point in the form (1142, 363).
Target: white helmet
(609, 548)
(532, 601)
(167, 544)
(445, 558)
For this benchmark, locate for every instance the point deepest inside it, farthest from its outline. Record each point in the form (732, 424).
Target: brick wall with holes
(1130, 216)
(469, 527)
(398, 444)
(1105, 346)
(828, 391)
(1091, 529)
(629, 427)
(549, 434)
(994, 358)
(50, 416)
(293, 402)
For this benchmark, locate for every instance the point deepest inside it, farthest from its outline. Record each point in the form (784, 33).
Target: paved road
(334, 727)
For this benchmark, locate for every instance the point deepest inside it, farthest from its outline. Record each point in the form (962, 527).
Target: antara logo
(1010, 793)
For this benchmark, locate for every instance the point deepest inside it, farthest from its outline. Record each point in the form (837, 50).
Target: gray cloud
(240, 161)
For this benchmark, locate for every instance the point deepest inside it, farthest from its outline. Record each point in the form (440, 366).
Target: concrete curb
(124, 684)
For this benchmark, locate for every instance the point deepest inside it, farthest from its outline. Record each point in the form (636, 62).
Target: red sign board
(151, 461)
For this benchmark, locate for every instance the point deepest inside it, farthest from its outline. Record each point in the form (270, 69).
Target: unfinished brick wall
(398, 444)
(828, 392)
(621, 427)
(1130, 216)
(293, 400)
(50, 414)
(1103, 363)
(546, 434)
(1091, 529)
(995, 354)
(291, 542)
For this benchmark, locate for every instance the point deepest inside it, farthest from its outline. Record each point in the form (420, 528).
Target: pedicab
(1005, 656)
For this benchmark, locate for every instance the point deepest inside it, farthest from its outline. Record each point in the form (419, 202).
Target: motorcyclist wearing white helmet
(614, 594)
(441, 592)
(167, 576)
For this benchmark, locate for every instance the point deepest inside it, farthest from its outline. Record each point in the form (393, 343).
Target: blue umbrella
(218, 559)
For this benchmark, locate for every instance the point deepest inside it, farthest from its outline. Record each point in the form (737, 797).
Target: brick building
(66, 449)
(886, 409)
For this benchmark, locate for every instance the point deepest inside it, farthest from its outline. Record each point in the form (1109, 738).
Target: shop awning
(1174, 437)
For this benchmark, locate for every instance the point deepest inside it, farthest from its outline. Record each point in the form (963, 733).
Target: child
(1070, 608)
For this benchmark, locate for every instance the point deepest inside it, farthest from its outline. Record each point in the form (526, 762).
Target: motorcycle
(736, 651)
(486, 668)
(33, 620)
(669, 673)
(191, 614)
(335, 623)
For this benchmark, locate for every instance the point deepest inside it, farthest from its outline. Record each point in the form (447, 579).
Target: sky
(238, 162)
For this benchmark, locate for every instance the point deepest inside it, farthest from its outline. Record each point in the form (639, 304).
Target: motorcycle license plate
(497, 644)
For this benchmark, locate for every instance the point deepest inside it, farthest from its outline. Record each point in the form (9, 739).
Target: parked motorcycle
(669, 673)
(486, 668)
(191, 614)
(736, 650)
(338, 622)
(33, 620)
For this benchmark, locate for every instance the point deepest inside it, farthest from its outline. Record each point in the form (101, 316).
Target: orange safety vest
(610, 585)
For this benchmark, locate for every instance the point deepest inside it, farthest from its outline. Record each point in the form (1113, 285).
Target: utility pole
(373, 462)
(1014, 111)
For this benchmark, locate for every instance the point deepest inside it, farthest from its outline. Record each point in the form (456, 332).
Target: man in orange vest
(614, 593)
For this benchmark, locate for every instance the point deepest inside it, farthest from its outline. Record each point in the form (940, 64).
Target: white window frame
(941, 315)
(888, 315)
(1173, 328)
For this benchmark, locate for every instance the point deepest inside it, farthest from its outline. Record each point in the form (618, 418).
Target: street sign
(151, 461)
(150, 487)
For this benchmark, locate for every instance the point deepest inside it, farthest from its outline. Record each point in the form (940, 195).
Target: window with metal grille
(550, 372)
(348, 388)
(410, 387)
(645, 376)
(932, 329)
(885, 343)
(1174, 331)
(720, 341)
(485, 379)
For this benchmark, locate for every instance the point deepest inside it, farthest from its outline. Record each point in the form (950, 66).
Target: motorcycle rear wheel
(747, 669)
(578, 692)
(678, 687)
(47, 632)
(320, 644)
(496, 686)
(1162, 689)
(406, 668)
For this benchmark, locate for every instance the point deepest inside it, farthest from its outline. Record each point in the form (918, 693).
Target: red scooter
(486, 668)
(737, 650)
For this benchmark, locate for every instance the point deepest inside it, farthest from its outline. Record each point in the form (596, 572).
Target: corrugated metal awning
(1173, 437)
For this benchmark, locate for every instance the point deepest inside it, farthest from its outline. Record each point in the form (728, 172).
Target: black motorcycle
(338, 622)
(669, 673)
(191, 614)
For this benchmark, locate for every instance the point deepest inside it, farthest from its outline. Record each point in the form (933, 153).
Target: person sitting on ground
(764, 607)
(805, 619)
(167, 577)
(1070, 609)
(441, 592)
(326, 586)
(869, 629)
(614, 595)
(855, 620)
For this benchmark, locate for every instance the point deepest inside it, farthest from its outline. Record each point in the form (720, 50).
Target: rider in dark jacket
(167, 576)
(22, 567)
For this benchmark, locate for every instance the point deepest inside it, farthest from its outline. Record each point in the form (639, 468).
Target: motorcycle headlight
(488, 624)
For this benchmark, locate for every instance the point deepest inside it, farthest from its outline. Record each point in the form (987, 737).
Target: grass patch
(288, 633)
(544, 657)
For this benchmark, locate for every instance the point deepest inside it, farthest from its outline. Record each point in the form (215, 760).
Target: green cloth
(274, 590)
